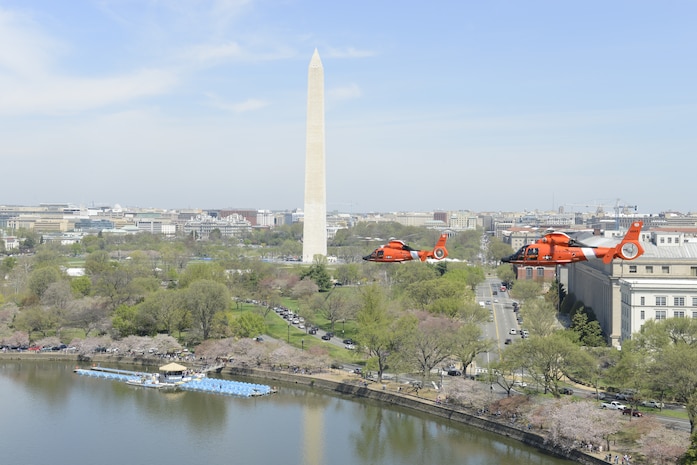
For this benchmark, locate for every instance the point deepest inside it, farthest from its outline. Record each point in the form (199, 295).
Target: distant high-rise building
(315, 215)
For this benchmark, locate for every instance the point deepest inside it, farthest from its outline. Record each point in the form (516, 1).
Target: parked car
(508, 341)
(349, 341)
(652, 404)
(625, 395)
(566, 391)
(520, 384)
(614, 405)
(350, 346)
(632, 412)
(326, 337)
(454, 373)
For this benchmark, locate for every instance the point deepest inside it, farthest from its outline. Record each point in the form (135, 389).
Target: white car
(513, 331)
(653, 404)
(350, 346)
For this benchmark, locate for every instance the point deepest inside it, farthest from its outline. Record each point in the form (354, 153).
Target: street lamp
(289, 332)
(302, 344)
(342, 326)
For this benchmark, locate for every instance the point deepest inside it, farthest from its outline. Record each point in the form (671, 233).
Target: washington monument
(315, 219)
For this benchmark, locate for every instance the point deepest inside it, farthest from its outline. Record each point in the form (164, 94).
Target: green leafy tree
(497, 249)
(35, 319)
(349, 273)
(589, 331)
(47, 256)
(526, 290)
(163, 307)
(81, 286)
(7, 265)
(411, 273)
(669, 347)
(203, 299)
(469, 342)
(41, 278)
(248, 325)
(98, 263)
(124, 320)
(547, 359)
(318, 273)
(540, 317)
(555, 295)
(334, 306)
(202, 271)
(378, 331)
(505, 273)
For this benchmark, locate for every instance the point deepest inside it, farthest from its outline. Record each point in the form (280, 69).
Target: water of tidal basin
(49, 415)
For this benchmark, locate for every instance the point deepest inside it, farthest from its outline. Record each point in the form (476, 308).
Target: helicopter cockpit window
(381, 253)
(532, 253)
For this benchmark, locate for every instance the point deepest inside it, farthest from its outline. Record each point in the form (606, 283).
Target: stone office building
(660, 284)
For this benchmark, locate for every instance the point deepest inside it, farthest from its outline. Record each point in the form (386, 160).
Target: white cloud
(214, 52)
(238, 107)
(30, 82)
(349, 92)
(348, 52)
(53, 94)
(24, 50)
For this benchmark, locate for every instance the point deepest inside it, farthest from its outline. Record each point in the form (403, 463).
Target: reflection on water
(50, 415)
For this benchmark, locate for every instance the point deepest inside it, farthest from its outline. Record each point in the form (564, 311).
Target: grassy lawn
(278, 328)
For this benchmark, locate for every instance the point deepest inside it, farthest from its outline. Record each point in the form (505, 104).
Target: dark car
(454, 373)
(632, 412)
(326, 337)
(349, 341)
(330, 334)
(508, 340)
(566, 391)
(312, 331)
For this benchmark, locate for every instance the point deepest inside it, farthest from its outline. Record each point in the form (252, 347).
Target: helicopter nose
(367, 257)
(506, 259)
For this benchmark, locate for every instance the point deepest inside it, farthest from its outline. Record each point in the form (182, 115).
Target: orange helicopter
(398, 251)
(559, 249)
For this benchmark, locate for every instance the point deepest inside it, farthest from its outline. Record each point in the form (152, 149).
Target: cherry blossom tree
(467, 393)
(571, 424)
(663, 446)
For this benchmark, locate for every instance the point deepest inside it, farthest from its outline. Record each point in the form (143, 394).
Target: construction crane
(599, 208)
(624, 209)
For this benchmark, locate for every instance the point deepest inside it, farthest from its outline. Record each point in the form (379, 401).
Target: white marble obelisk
(315, 215)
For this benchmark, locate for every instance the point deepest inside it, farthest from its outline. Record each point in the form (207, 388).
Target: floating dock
(199, 384)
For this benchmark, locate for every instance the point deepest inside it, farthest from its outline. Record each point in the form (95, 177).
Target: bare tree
(89, 314)
(430, 341)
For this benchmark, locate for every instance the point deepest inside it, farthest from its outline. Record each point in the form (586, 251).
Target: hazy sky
(473, 105)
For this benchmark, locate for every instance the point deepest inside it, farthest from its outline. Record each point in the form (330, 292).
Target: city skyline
(470, 106)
